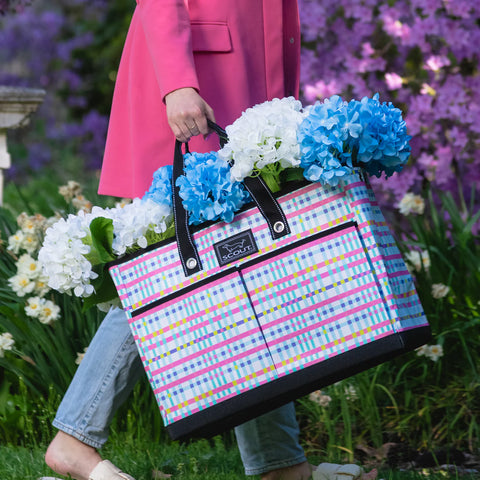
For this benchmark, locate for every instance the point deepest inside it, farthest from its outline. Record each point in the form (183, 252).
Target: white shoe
(333, 471)
(106, 470)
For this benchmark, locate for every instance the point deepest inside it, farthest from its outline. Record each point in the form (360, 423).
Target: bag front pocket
(317, 298)
(202, 346)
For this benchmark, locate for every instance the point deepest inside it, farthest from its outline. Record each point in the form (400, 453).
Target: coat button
(292, 40)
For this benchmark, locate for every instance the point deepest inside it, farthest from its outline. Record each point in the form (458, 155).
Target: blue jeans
(109, 371)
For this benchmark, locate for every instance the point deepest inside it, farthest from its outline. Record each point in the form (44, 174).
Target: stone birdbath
(16, 106)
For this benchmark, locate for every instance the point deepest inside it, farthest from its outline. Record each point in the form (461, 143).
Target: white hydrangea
(132, 222)
(62, 256)
(6, 343)
(264, 134)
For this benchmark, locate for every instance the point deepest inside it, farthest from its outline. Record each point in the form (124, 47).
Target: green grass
(203, 459)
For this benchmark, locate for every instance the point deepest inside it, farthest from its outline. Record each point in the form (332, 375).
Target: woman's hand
(187, 113)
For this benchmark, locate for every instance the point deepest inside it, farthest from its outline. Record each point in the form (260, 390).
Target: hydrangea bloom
(207, 189)
(336, 136)
(323, 137)
(263, 135)
(63, 256)
(132, 223)
(383, 145)
(160, 190)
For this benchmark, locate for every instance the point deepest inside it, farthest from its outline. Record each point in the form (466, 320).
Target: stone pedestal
(16, 106)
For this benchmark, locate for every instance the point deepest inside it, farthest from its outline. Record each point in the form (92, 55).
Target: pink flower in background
(320, 90)
(428, 164)
(437, 62)
(393, 80)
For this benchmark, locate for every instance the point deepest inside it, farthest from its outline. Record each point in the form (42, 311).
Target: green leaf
(102, 238)
(105, 290)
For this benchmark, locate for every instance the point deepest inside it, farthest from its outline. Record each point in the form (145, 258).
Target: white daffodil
(49, 312)
(434, 352)
(411, 203)
(41, 286)
(6, 343)
(351, 393)
(33, 307)
(15, 241)
(416, 259)
(31, 242)
(80, 356)
(21, 284)
(320, 398)
(422, 351)
(439, 290)
(28, 266)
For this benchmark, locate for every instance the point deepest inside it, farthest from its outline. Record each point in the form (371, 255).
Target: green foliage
(416, 399)
(423, 401)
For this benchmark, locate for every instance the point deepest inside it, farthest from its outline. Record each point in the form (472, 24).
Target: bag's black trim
(237, 410)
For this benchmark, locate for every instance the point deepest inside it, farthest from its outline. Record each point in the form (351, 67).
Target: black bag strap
(260, 193)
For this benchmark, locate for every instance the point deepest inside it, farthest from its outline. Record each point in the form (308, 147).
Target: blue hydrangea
(383, 145)
(160, 190)
(207, 191)
(336, 136)
(323, 139)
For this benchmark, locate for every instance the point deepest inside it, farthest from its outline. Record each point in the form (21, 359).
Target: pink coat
(234, 52)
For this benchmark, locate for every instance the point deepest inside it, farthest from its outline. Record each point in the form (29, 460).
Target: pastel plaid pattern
(335, 283)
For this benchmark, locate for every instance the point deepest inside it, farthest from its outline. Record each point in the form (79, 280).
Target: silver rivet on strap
(279, 227)
(191, 263)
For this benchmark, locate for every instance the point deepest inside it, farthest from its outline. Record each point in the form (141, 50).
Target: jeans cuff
(275, 465)
(79, 436)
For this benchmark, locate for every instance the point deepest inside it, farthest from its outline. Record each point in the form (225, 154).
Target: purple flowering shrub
(420, 54)
(13, 6)
(51, 47)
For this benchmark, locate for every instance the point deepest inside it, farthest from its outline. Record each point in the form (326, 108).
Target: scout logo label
(235, 248)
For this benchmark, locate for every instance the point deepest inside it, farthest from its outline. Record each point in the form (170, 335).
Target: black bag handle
(260, 193)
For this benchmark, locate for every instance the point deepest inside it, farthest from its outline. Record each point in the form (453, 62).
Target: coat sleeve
(166, 24)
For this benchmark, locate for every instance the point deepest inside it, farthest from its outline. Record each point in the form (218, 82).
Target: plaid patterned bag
(299, 291)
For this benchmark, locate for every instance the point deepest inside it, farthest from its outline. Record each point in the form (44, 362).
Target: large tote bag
(302, 289)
